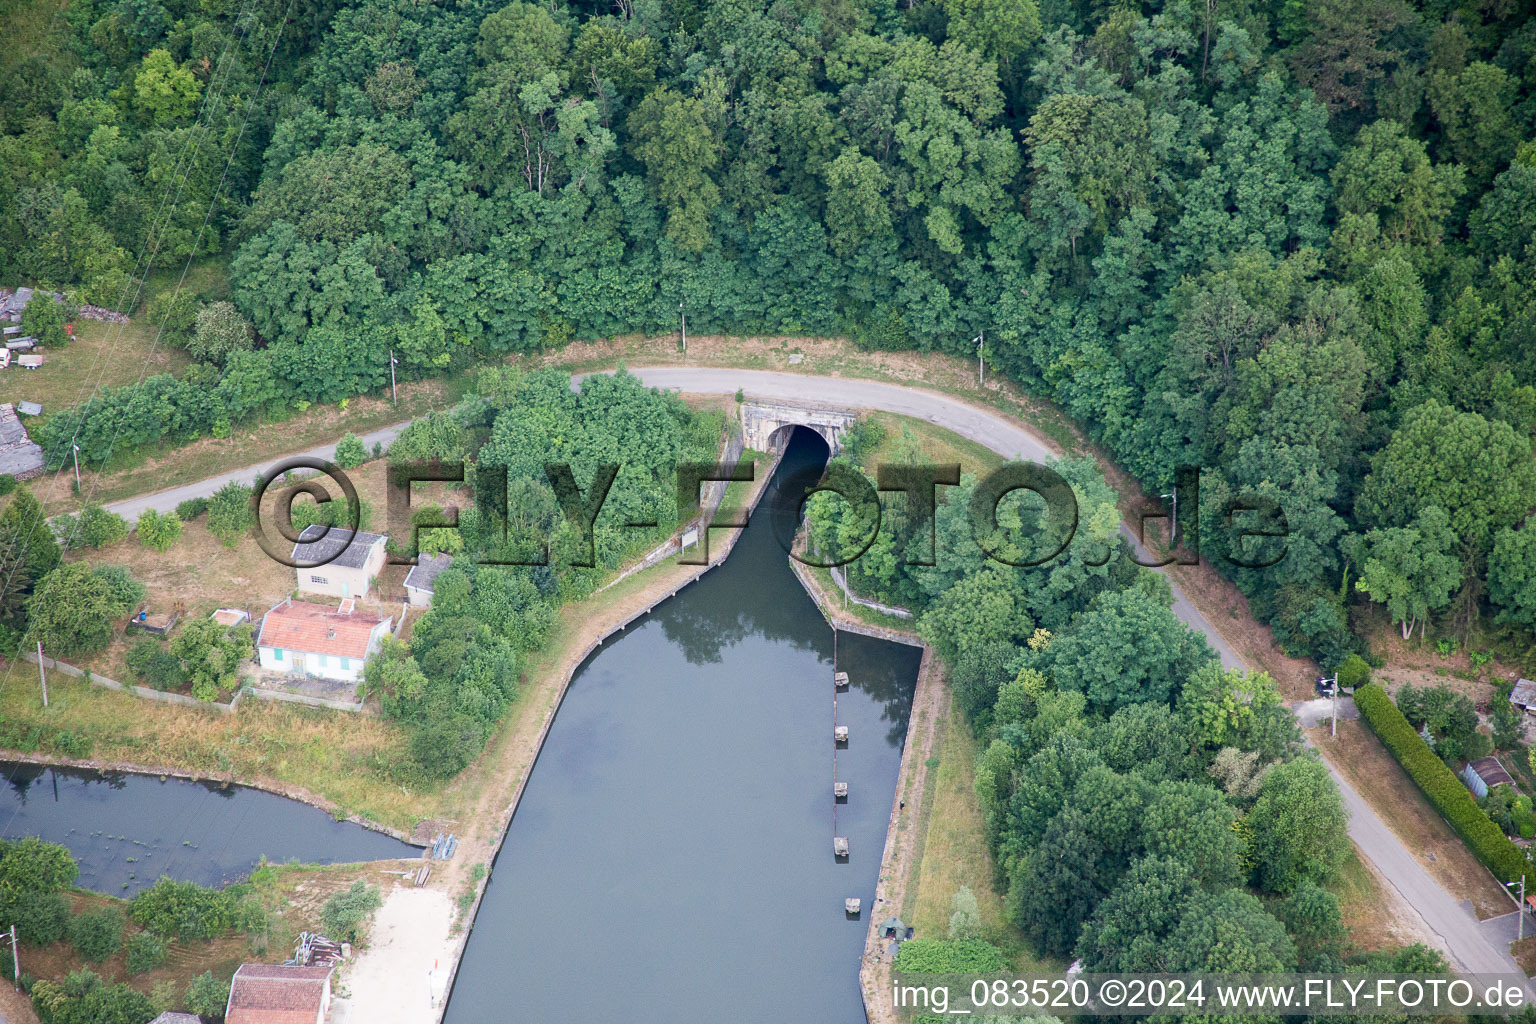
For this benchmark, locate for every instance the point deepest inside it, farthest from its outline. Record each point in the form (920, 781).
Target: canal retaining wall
(904, 831)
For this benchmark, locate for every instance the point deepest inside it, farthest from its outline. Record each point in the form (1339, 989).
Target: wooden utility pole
(684, 315)
(394, 396)
(15, 961)
(42, 673)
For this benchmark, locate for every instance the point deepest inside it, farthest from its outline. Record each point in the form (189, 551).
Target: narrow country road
(1468, 944)
(166, 501)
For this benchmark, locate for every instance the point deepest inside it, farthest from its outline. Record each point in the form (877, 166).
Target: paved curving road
(1468, 944)
(166, 501)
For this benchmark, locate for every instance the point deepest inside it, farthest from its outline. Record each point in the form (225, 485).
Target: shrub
(351, 452)
(220, 330)
(96, 528)
(191, 509)
(229, 513)
(1440, 785)
(207, 997)
(157, 666)
(184, 910)
(157, 530)
(83, 996)
(345, 912)
(173, 313)
(146, 951)
(41, 917)
(1354, 671)
(7, 484)
(940, 956)
(97, 934)
(445, 747)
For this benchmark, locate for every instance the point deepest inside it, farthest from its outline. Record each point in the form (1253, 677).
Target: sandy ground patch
(391, 982)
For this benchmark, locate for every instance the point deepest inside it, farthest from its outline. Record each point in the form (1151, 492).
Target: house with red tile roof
(327, 641)
(270, 994)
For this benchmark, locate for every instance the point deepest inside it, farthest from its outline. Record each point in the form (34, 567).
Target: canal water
(671, 857)
(127, 830)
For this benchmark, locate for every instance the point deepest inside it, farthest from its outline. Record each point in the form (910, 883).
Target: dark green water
(671, 858)
(127, 830)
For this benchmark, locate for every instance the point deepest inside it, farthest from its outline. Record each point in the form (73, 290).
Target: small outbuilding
(1524, 695)
(1485, 773)
(420, 580)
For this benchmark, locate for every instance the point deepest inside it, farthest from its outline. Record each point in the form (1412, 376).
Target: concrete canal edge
(903, 843)
(728, 545)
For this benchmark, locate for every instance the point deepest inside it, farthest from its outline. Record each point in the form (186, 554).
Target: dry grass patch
(1377, 777)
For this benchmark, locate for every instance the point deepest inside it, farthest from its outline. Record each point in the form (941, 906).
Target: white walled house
(349, 571)
(319, 640)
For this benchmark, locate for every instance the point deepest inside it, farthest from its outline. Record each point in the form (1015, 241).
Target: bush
(41, 917)
(7, 484)
(207, 997)
(940, 956)
(351, 452)
(184, 910)
(146, 951)
(83, 997)
(229, 513)
(173, 313)
(220, 330)
(96, 528)
(191, 509)
(97, 934)
(345, 912)
(157, 666)
(1440, 785)
(158, 530)
(1354, 671)
(445, 747)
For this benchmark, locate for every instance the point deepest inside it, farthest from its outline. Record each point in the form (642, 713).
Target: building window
(277, 655)
(346, 664)
(319, 579)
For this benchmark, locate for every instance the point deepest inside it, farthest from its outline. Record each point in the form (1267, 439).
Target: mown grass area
(101, 355)
(908, 439)
(954, 851)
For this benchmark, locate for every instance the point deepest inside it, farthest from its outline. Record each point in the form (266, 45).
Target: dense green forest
(1291, 243)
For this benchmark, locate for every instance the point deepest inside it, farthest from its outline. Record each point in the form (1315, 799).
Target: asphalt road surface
(1468, 944)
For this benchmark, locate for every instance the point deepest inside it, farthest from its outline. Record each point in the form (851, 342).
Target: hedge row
(1444, 790)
